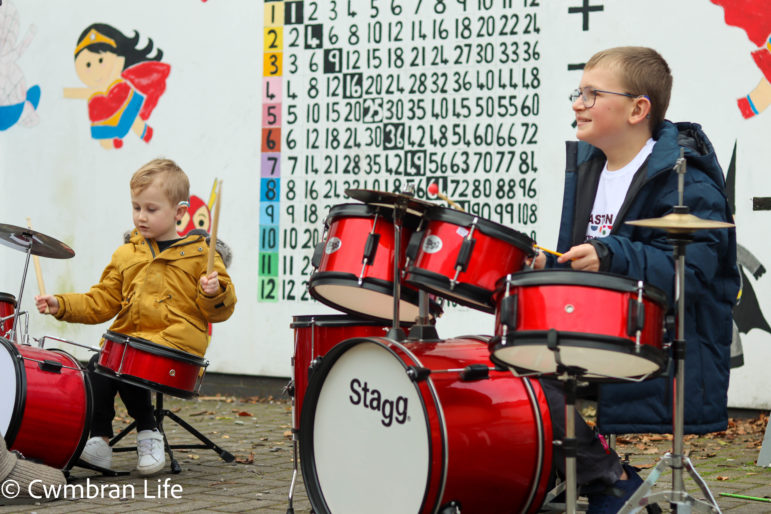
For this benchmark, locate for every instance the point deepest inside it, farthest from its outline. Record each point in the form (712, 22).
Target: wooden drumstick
(214, 223)
(434, 190)
(547, 250)
(38, 272)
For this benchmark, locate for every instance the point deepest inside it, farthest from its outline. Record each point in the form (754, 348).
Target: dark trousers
(594, 464)
(137, 400)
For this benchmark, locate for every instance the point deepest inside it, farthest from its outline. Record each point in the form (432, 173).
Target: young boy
(157, 288)
(622, 170)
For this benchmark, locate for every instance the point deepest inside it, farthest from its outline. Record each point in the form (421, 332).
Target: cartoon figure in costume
(124, 83)
(198, 216)
(754, 17)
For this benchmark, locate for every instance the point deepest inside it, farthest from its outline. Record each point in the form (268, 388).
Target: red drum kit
(431, 417)
(44, 391)
(446, 425)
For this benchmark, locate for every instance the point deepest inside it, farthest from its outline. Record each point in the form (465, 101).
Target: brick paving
(258, 434)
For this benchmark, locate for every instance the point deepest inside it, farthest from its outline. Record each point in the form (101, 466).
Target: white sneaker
(151, 454)
(97, 452)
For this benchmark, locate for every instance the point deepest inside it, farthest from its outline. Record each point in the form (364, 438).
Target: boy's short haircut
(174, 181)
(644, 72)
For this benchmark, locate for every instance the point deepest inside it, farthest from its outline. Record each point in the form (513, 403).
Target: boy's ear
(181, 210)
(641, 110)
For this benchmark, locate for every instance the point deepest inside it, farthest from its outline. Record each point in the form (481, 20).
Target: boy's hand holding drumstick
(210, 283)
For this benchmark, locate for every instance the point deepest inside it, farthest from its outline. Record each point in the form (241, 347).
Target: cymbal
(680, 223)
(385, 199)
(21, 238)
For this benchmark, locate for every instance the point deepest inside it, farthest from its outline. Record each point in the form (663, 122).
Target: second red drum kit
(47, 390)
(389, 422)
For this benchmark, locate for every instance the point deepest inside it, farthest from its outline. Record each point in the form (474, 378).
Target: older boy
(623, 170)
(157, 286)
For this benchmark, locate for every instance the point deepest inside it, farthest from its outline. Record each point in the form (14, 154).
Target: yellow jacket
(155, 295)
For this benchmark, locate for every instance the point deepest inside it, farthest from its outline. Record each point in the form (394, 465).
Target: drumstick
(434, 190)
(215, 222)
(38, 272)
(547, 250)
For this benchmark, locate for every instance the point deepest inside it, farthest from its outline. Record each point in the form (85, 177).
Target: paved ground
(258, 433)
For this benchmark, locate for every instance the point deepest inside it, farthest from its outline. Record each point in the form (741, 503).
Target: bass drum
(417, 427)
(45, 403)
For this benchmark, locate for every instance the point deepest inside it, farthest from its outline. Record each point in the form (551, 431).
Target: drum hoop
(596, 279)
(155, 348)
(20, 402)
(591, 341)
(8, 298)
(375, 285)
(364, 210)
(331, 320)
(149, 384)
(538, 472)
(435, 281)
(312, 392)
(487, 227)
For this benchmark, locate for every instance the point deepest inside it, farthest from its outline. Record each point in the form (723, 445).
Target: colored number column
(270, 150)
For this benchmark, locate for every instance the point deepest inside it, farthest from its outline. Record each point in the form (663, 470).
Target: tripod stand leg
(224, 454)
(290, 510)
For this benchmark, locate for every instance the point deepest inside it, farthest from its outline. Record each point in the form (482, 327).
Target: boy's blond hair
(643, 71)
(173, 180)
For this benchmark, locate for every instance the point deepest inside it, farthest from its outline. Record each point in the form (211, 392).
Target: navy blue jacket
(711, 283)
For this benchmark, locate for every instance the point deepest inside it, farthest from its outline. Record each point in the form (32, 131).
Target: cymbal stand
(423, 330)
(400, 207)
(28, 244)
(677, 497)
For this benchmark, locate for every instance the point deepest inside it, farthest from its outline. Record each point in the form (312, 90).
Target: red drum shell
(591, 314)
(147, 364)
(497, 251)
(51, 412)
(374, 440)
(7, 308)
(336, 281)
(314, 336)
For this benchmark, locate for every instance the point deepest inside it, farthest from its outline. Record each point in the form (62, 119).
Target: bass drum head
(378, 459)
(10, 400)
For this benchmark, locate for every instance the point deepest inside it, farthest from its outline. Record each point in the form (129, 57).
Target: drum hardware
(461, 263)
(680, 226)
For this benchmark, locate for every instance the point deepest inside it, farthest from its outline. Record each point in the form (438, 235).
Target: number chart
(394, 95)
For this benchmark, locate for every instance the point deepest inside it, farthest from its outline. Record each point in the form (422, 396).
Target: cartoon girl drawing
(754, 17)
(123, 83)
(18, 103)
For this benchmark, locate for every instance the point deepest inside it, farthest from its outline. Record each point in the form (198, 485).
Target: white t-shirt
(611, 193)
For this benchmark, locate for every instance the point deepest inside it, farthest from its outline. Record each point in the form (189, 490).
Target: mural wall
(290, 103)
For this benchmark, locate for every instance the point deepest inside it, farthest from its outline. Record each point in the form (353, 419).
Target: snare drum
(589, 320)
(45, 403)
(314, 336)
(147, 364)
(355, 263)
(417, 427)
(462, 256)
(7, 308)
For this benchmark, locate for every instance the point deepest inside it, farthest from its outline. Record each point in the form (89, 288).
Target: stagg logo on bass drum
(390, 410)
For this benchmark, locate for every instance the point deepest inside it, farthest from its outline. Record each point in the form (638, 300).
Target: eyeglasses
(589, 95)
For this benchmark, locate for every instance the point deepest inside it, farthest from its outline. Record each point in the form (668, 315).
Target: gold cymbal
(22, 238)
(681, 223)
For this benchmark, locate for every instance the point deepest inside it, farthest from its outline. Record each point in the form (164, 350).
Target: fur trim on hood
(222, 248)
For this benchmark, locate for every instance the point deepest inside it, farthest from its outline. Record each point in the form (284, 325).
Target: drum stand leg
(396, 333)
(423, 330)
(677, 497)
(290, 510)
(160, 414)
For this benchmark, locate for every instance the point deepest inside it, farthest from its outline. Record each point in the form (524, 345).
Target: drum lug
(413, 246)
(464, 255)
(507, 311)
(417, 374)
(475, 372)
(318, 253)
(50, 366)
